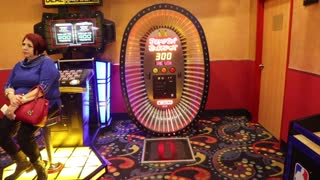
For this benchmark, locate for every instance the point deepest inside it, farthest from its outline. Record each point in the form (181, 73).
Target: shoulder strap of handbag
(40, 89)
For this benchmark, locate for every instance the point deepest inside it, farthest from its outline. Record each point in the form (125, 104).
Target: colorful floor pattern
(225, 147)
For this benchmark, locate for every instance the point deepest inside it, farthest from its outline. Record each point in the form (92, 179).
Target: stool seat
(53, 118)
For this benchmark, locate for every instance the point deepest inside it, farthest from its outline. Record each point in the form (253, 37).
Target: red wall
(230, 83)
(117, 102)
(4, 74)
(301, 98)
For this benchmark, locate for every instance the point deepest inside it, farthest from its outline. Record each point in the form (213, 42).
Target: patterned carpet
(225, 147)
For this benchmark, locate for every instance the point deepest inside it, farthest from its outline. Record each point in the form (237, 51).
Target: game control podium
(303, 154)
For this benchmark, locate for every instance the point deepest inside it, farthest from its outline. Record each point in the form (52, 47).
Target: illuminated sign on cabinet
(55, 3)
(163, 67)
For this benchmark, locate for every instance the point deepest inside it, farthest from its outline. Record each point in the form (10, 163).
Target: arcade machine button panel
(74, 77)
(74, 74)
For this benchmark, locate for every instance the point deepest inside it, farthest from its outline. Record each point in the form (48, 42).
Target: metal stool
(53, 118)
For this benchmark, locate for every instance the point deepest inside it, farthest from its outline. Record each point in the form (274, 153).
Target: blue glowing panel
(102, 92)
(101, 70)
(108, 81)
(86, 104)
(108, 110)
(103, 85)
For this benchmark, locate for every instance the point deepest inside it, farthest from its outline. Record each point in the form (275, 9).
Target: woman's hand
(16, 99)
(10, 112)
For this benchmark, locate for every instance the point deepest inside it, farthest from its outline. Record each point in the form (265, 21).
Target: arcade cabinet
(164, 71)
(86, 100)
(303, 154)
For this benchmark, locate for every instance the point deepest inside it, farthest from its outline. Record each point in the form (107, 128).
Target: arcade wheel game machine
(164, 66)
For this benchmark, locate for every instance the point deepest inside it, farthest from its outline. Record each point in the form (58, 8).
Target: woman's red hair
(39, 44)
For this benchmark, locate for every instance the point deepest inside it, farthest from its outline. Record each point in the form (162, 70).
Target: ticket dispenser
(164, 69)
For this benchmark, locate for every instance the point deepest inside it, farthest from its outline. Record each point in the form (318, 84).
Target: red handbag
(34, 112)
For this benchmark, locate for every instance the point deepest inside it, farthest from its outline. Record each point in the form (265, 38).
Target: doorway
(273, 64)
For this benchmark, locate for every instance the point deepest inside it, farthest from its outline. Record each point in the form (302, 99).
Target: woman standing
(35, 69)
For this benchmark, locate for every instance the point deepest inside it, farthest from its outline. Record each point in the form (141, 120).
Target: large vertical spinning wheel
(164, 66)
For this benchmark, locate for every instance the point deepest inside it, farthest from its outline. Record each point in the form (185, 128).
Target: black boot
(40, 167)
(23, 165)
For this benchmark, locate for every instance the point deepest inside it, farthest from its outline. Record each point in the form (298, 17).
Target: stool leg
(53, 167)
(47, 137)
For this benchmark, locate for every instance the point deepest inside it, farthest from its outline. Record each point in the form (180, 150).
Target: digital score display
(164, 68)
(73, 33)
(63, 33)
(163, 48)
(85, 33)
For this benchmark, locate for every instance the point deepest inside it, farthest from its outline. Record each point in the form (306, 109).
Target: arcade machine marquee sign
(55, 3)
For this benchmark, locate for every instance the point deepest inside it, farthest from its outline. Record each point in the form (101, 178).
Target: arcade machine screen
(72, 32)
